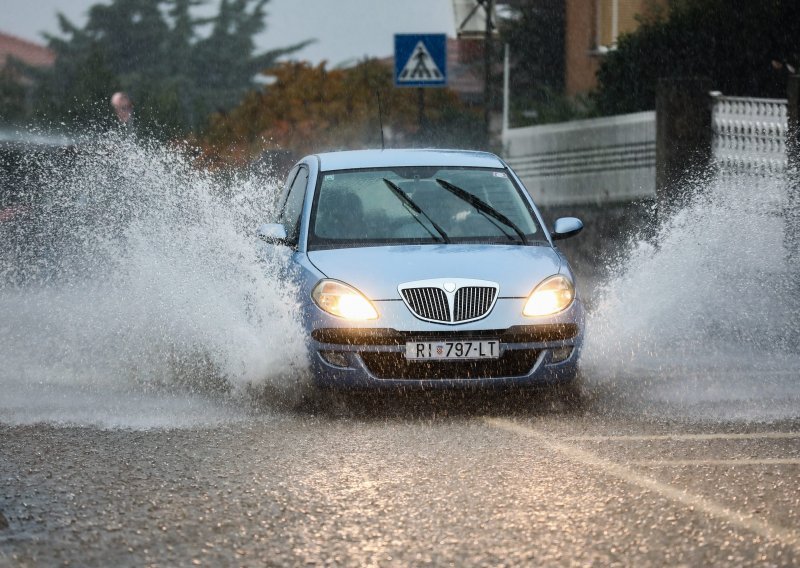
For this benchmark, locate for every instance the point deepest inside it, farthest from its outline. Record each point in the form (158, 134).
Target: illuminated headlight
(341, 300)
(553, 295)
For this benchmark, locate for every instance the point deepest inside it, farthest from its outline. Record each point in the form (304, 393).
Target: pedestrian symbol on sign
(420, 60)
(420, 66)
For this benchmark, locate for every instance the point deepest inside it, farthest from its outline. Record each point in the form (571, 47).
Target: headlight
(553, 295)
(344, 301)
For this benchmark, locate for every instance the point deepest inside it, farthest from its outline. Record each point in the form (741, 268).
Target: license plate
(452, 350)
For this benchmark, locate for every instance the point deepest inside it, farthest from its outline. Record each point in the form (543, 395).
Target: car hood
(377, 271)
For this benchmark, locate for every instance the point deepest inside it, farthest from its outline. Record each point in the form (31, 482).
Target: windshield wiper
(409, 203)
(482, 207)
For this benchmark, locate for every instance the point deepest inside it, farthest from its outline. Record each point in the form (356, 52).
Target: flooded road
(489, 479)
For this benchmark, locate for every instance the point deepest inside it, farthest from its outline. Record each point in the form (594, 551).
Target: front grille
(393, 365)
(472, 302)
(432, 303)
(428, 303)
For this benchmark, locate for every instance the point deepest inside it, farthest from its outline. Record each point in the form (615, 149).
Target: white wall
(611, 159)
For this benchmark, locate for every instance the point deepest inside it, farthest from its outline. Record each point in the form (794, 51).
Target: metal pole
(488, 5)
(421, 110)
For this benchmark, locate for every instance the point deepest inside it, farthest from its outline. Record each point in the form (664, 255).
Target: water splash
(703, 316)
(131, 292)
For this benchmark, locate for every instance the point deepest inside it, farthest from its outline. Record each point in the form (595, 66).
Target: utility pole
(506, 87)
(475, 21)
(488, 5)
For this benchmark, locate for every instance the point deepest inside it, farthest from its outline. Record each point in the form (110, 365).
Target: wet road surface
(475, 479)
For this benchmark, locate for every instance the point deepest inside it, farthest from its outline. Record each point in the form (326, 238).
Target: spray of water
(702, 316)
(131, 292)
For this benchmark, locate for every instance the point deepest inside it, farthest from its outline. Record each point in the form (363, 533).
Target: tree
(742, 46)
(534, 32)
(310, 108)
(155, 50)
(12, 97)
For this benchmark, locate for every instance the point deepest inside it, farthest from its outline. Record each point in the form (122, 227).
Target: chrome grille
(450, 300)
(428, 303)
(472, 302)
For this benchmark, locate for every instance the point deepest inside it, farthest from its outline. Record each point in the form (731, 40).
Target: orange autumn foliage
(310, 108)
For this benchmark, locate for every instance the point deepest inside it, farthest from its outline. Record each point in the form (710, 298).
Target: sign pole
(421, 109)
(420, 60)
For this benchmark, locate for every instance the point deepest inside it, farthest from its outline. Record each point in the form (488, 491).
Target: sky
(345, 30)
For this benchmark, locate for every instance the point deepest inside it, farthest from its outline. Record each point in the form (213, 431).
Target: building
(592, 29)
(27, 52)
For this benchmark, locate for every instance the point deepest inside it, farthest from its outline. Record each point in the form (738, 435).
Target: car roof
(353, 159)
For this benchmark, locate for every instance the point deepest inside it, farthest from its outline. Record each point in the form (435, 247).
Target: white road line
(687, 437)
(693, 502)
(744, 461)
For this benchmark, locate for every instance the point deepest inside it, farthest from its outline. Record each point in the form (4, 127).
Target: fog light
(335, 358)
(560, 354)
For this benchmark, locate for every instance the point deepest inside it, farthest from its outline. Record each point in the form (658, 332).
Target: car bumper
(544, 352)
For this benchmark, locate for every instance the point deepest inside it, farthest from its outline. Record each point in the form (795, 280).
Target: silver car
(427, 268)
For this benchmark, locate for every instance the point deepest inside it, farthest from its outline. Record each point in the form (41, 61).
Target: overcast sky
(344, 29)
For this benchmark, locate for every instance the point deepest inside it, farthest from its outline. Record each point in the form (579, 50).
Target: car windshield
(420, 205)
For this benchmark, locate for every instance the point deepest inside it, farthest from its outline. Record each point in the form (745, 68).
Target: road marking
(744, 461)
(693, 502)
(687, 437)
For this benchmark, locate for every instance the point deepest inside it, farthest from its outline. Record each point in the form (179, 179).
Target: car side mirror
(273, 233)
(566, 227)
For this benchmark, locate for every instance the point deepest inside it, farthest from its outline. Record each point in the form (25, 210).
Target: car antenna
(380, 116)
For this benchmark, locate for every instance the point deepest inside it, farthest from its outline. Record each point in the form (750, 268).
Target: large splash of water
(131, 292)
(703, 314)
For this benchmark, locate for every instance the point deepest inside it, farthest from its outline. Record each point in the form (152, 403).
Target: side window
(290, 216)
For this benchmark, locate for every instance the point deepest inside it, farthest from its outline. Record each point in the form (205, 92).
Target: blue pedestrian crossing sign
(420, 60)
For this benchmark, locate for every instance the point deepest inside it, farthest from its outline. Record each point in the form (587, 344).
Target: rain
(160, 397)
